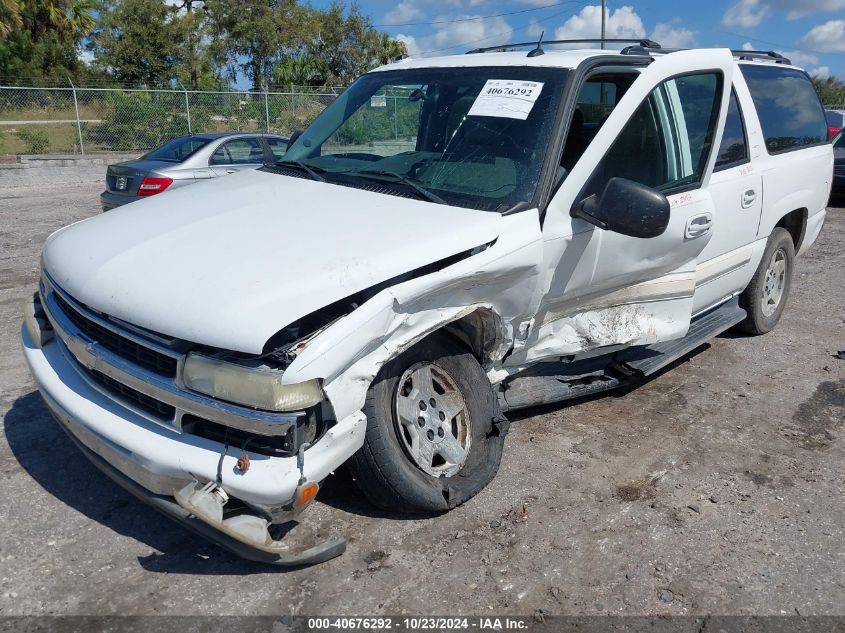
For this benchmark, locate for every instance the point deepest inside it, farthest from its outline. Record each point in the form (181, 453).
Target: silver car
(189, 159)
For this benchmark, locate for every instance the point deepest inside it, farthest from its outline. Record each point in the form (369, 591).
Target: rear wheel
(765, 297)
(434, 432)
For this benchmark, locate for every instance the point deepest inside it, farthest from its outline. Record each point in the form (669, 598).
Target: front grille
(120, 345)
(157, 408)
(274, 446)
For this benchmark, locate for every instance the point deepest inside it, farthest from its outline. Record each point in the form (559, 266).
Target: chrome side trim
(93, 356)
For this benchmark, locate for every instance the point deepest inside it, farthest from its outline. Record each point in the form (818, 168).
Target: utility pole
(603, 10)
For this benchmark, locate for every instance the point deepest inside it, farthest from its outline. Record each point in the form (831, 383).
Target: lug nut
(430, 434)
(441, 432)
(422, 406)
(421, 421)
(432, 402)
(442, 416)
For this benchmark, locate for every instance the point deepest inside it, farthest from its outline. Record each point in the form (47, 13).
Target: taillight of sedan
(151, 186)
(833, 131)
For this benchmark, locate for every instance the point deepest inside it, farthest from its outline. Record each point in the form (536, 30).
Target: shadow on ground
(50, 458)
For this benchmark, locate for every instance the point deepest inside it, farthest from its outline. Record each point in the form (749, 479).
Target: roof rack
(767, 55)
(641, 42)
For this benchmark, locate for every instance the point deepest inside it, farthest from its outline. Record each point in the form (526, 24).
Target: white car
(451, 239)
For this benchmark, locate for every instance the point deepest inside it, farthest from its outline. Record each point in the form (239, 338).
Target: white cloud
(461, 4)
(826, 38)
(748, 46)
(402, 12)
(799, 8)
(822, 72)
(410, 44)
(86, 57)
(800, 58)
(745, 13)
(670, 36)
(468, 34)
(624, 22)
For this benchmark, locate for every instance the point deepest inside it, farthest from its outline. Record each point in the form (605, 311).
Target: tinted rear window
(178, 149)
(790, 112)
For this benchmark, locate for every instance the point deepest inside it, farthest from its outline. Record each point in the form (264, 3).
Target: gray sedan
(189, 159)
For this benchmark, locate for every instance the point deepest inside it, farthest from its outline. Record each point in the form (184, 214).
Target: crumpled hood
(229, 262)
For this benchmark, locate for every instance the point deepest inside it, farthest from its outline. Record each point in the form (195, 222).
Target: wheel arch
(795, 223)
(481, 331)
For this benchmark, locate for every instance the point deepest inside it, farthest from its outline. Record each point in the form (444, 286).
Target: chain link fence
(70, 120)
(98, 120)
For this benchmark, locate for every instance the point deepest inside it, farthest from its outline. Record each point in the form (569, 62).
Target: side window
(596, 100)
(667, 142)
(789, 108)
(240, 151)
(277, 146)
(734, 147)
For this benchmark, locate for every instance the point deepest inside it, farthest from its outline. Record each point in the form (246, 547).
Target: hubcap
(774, 283)
(433, 420)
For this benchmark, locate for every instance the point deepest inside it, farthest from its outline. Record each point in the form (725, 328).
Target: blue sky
(810, 32)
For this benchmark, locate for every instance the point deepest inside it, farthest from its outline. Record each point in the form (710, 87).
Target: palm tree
(389, 49)
(80, 17)
(10, 16)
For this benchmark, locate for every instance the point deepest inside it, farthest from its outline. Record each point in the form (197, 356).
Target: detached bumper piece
(196, 508)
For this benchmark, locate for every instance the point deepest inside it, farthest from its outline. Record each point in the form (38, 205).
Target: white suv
(451, 239)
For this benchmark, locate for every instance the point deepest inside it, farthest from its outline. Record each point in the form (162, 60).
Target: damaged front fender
(503, 279)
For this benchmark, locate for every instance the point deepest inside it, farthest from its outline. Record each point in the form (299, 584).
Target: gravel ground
(718, 486)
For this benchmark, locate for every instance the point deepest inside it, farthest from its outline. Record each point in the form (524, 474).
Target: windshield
(178, 149)
(472, 137)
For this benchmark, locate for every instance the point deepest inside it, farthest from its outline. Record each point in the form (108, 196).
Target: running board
(651, 358)
(548, 383)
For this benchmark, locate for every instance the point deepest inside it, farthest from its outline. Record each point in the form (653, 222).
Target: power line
(782, 47)
(479, 17)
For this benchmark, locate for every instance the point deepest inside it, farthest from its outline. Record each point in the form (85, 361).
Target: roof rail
(644, 43)
(773, 56)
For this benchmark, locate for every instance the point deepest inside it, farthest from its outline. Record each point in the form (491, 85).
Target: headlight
(257, 387)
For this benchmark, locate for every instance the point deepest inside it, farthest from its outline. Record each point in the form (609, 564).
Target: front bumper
(155, 463)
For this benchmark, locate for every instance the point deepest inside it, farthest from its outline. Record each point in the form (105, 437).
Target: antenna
(538, 51)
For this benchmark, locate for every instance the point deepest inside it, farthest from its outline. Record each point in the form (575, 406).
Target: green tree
(348, 44)
(334, 46)
(10, 16)
(191, 27)
(137, 41)
(250, 36)
(40, 38)
(831, 90)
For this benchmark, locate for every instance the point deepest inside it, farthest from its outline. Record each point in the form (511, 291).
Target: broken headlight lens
(258, 387)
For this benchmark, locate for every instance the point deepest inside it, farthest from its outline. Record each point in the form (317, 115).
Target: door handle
(748, 198)
(698, 225)
(231, 170)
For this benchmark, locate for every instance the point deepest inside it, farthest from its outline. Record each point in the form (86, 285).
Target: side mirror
(293, 136)
(626, 207)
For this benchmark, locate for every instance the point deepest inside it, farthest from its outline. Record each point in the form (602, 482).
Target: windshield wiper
(425, 193)
(308, 170)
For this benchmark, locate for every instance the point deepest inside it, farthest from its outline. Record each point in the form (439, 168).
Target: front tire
(765, 297)
(434, 431)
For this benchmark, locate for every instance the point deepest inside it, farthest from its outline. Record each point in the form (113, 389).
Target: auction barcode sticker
(506, 98)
